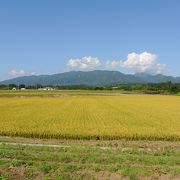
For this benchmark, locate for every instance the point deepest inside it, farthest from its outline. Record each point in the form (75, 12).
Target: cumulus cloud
(16, 73)
(84, 63)
(19, 73)
(144, 62)
(113, 64)
(139, 62)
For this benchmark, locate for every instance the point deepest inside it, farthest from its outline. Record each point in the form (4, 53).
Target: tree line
(150, 88)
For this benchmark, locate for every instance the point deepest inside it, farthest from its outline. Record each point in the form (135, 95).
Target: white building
(46, 89)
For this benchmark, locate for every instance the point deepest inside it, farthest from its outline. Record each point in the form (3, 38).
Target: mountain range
(92, 78)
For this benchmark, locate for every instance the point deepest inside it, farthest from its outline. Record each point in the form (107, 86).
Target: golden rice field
(92, 117)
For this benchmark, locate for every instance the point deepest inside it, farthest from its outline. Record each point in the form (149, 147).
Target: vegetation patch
(127, 162)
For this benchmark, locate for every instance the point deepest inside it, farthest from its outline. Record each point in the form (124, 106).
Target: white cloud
(84, 63)
(139, 62)
(16, 73)
(143, 62)
(19, 73)
(113, 64)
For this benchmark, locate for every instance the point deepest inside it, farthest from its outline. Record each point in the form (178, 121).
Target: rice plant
(92, 117)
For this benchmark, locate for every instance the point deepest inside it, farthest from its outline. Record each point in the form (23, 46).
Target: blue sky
(46, 37)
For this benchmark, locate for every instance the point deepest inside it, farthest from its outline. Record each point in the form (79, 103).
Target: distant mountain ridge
(92, 78)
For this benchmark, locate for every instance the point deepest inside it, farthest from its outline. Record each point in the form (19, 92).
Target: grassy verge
(90, 160)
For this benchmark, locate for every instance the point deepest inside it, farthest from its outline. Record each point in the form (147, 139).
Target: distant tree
(12, 86)
(22, 86)
(3, 86)
(98, 88)
(175, 89)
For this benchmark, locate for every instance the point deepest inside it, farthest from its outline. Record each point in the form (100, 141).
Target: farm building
(46, 89)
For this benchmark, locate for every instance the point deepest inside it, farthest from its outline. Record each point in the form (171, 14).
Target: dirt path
(35, 145)
(103, 144)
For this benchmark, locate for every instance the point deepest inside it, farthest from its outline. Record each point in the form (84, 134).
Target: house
(46, 89)
(114, 87)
